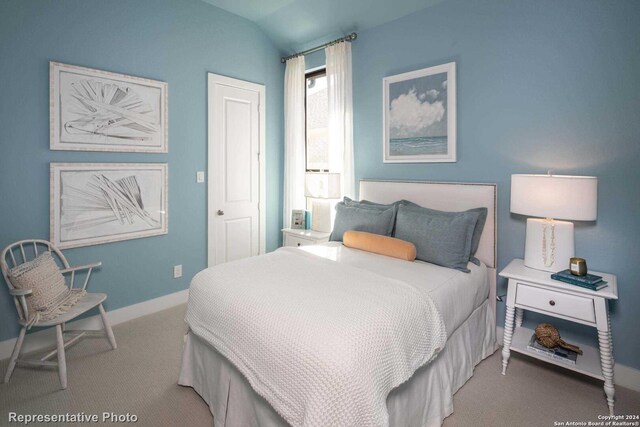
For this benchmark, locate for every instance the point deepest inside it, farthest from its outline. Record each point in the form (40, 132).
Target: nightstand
(298, 237)
(534, 290)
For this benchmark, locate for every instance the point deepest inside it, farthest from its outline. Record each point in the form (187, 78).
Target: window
(317, 122)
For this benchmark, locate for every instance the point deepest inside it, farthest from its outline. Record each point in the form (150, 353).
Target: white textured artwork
(100, 111)
(100, 203)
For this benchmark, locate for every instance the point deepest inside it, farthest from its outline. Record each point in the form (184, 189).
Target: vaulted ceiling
(295, 25)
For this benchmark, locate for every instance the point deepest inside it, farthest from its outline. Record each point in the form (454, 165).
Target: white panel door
(234, 169)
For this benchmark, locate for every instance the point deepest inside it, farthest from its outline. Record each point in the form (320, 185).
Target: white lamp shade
(555, 196)
(322, 185)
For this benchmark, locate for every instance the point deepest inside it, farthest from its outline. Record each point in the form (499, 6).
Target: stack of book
(557, 353)
(590, 281)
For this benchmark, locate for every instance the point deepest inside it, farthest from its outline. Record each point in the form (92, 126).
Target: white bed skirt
(425, 400)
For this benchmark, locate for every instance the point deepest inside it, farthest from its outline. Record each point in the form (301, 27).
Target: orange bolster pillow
(383, 245)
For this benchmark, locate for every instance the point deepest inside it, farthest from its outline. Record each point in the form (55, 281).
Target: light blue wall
(541, 85)
(176, 41)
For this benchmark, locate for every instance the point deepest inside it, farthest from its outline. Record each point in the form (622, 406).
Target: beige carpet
(140, 378)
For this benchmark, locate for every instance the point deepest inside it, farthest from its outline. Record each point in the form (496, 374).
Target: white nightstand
(534, 290)
(297, 237)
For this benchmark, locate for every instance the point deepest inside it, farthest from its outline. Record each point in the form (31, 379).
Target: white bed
(465, 302)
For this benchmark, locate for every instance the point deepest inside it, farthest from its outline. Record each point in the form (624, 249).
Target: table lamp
(549, 242)
(321, 187)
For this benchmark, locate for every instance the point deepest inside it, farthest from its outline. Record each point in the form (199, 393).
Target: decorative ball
(547, 335)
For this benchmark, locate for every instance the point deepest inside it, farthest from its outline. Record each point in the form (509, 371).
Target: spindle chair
(26, 250)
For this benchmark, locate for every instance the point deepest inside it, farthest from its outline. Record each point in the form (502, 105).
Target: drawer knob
(552, 302)
(299, 245)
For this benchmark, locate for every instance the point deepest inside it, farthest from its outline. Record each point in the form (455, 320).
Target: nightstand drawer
(297, 241)
(556, 302)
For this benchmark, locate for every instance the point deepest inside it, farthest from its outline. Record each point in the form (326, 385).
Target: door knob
(220, 212)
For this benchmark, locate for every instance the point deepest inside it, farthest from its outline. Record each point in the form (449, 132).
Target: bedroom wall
(176, 41)
(541, 85)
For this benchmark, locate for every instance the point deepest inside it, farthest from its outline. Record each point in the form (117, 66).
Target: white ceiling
(295, 25)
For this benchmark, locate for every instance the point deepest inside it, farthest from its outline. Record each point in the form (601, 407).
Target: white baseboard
(46, 338)
(624, 376)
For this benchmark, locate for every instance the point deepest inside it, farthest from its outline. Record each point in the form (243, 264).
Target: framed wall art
(94, 110)
(297, 219)
(95, 203)
(420, 115)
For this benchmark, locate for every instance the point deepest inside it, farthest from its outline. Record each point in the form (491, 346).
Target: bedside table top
(306, 233)
(517, 270)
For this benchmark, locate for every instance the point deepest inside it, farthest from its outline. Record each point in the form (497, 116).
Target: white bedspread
(323, 342)
(456, 294)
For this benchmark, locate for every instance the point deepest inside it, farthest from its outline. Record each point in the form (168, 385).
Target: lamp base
(549, 244)
(321, 215)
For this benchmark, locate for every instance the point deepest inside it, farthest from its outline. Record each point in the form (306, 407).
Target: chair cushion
(49, 296)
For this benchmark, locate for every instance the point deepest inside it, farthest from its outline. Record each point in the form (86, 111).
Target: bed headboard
(446, 196)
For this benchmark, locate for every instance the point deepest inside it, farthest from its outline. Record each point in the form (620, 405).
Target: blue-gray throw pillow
(366, 203)
(442, 238)
(359, 218)
(477, 231)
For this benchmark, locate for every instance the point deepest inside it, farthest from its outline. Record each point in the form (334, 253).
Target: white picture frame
(419, 116)
(297, 219)
(95, 110)
(96, 203)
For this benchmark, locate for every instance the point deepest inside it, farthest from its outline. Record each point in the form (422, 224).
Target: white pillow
(49, 296)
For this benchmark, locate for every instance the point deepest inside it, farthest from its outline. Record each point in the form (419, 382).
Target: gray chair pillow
(360, 218)
(442, 238)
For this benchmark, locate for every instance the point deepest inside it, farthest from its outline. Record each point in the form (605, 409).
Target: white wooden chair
(20, 252)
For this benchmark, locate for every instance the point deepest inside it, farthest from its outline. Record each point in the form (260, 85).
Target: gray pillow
(366, 203)
(359, 218)
(477, 231)
(442, 238)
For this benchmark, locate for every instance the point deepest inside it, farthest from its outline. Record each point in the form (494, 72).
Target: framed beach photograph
(94, 110)
(420, 115)
(95, 203)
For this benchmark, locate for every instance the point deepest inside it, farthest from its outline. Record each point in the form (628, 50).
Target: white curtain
(340, 115)
(294, 137)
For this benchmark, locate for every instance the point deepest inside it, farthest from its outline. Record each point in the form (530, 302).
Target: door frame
(212, 81)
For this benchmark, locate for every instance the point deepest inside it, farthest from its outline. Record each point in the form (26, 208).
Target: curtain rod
(351, 37)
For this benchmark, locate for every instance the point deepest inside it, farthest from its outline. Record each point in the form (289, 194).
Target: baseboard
(46, 338)
(624, 376)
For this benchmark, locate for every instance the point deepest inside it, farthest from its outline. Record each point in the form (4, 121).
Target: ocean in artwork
(419, 145)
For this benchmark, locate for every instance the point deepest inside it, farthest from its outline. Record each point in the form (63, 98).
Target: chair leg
(15, 354)
(107, 327)
(62, 363)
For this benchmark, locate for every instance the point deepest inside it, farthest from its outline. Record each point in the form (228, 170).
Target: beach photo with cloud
(420, 115)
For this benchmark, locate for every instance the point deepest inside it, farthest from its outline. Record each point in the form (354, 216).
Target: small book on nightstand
(590, 281)
(556, 353)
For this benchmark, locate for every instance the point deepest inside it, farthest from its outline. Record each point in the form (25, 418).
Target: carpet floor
(140, 378)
